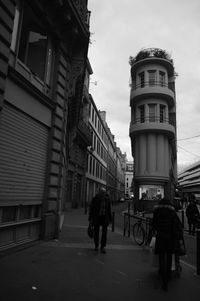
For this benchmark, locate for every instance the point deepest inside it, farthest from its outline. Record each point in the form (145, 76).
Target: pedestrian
(100, 216)
(164, 216)
(179, 244)
(192, 214)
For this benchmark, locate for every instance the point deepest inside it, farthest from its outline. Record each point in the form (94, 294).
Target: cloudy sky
(120, 29)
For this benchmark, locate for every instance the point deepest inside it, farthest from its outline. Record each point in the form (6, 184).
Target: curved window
(141, 79)
(141, 112)
(152, 112)
(152, 77)
(162, 80)
(162, 113)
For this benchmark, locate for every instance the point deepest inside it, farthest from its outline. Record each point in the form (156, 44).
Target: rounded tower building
(153, 126)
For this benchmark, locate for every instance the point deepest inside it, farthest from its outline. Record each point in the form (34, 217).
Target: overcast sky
(120, 29)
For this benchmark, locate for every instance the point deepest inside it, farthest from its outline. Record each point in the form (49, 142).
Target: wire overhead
(188, 151)
(189, 138)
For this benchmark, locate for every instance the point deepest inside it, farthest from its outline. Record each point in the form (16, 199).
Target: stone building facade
(43, 61)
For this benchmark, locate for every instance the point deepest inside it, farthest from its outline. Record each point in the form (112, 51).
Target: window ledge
(20, 76)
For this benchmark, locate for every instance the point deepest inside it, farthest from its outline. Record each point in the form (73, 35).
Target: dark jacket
(95, 209)
(167, 226)
(192, 213)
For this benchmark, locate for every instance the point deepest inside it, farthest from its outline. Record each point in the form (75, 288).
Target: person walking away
(192, 214)
(179, 244)
(100, 216)
(163, 215)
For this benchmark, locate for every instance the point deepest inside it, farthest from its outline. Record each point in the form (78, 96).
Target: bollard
(113, 221)
(198, 250)
(124, 232)
(129, 218)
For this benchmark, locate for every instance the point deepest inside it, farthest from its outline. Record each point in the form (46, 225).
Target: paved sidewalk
(69, 269)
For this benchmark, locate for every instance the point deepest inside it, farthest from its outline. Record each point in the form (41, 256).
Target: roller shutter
(23, 158)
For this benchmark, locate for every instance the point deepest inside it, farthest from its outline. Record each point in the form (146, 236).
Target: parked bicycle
(142, 230)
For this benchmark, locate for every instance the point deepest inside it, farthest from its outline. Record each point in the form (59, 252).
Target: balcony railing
(152, 119)
(151, 84)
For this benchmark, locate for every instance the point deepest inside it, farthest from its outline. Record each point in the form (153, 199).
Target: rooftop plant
(150, 52)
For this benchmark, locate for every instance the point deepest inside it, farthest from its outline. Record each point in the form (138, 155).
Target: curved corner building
(153, 126)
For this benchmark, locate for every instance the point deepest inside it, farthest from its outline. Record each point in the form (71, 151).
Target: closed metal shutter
(23, 158)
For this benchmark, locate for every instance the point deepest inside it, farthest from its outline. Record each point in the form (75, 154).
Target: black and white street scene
(99, 150)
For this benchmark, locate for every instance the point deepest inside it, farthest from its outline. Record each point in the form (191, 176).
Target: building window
(35, 47)
(162, 78)
(141, 111)
(152, 77)
(141, 79)
(162, 113)
(95, 120)
(90, 164)
(152, 112)
(95, 139)
(15, 28)
(90, 109)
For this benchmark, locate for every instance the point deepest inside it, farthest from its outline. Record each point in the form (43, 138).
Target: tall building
(43, 58)
(129, 179)
(153, 126)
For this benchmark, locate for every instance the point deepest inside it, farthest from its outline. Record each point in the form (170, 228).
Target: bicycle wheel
(138, 234)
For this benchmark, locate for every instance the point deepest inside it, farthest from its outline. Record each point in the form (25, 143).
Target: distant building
(121, 170)
(189, 181)
(153, 126)
(105, 160)
(129, 179)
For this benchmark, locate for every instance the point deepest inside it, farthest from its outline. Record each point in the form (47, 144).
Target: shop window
(25, 212)
(8, 214)
(151, 192)
(35, 46)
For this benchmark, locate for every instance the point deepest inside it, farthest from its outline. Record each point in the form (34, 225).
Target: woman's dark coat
(167, 226)
(192, 213)
(94, 210)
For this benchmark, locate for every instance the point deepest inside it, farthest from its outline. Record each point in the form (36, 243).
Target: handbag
(154, 256)
(90, 230)
(152, 242)
(180, 248)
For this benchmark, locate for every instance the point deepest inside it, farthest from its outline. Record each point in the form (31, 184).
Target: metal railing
(151, 119)
(144, 84)
(131, 219)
